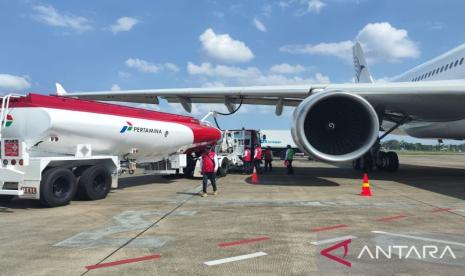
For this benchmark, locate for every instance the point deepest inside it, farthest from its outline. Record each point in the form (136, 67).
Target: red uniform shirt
(247, 155)
(268, 155)
(208, 162)
(258, 153)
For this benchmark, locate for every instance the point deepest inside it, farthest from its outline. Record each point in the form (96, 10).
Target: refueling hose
(227, 114)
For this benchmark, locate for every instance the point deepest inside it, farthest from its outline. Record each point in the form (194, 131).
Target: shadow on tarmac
(445, 181)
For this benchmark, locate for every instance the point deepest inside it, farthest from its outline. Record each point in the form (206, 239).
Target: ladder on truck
(5, 110)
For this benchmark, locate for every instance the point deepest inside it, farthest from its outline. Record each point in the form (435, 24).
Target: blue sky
(100, 45)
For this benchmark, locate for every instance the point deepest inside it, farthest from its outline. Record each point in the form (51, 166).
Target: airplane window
(442, 69)
(451, 64)
(447, 66)
(461, 61)
(456, 63)
(437, 70)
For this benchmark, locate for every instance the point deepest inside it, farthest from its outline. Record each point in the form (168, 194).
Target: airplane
(345, 122)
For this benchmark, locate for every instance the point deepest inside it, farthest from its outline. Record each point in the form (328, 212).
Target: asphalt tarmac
(414, 224)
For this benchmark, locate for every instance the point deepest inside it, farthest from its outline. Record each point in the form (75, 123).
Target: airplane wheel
(393, 161)
(382, 162)
(367, 162)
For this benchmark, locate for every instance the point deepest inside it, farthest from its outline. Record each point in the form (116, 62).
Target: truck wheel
(79, 170)
(6, 198)
(58, 187)
(224, 168)
(95, 183)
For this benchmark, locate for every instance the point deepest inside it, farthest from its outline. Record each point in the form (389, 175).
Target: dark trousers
(256, 163)
(247, 166)
(268, 165)
(212, 177)
(290, 169)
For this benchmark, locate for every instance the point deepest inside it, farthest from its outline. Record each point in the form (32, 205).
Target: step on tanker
(55, 148)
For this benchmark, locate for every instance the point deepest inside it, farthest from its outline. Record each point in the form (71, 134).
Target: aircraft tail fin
(60, 90)
(362, 75)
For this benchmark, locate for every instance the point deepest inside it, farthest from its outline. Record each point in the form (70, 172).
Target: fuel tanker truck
(56, 148)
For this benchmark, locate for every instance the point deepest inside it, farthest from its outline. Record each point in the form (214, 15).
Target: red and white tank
(55, 125)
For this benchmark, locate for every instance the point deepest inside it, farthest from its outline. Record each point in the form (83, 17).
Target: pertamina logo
(9, 120)
(126, 128)
(129, 127)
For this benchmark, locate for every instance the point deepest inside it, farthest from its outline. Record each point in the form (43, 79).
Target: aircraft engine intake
(335, 126)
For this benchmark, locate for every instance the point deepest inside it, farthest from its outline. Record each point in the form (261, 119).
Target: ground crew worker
(268, 159)
(288, 159)
(257, 158)
(209, 165)
(247, 160)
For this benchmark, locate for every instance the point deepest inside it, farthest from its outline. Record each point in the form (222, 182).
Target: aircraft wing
(428, 101)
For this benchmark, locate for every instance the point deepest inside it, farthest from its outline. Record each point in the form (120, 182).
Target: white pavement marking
(419, 238)
(236, 258)
(343, 238)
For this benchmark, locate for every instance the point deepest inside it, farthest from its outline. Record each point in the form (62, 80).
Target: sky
(116, 45)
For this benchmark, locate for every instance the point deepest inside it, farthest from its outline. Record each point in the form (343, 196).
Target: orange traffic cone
(254, 176)
(366, 191)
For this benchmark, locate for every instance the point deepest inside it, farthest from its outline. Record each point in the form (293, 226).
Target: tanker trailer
(56, 148)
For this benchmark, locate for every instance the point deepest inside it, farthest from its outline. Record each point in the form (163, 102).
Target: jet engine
(335, 126)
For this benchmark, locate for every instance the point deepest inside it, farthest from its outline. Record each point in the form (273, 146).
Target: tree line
(403, 145)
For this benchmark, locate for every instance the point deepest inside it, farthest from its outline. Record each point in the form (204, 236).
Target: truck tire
(224, 168)
(58, 187)
(6, 198)
(79, 170)
(94, 183)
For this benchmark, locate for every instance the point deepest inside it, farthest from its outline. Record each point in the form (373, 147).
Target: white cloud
(142, 65)
(11, 83)
(259, 25)
(341, 49)
(115, 87)
(124, 24)
(223, 47)
(248, 76)
(320, 78)
(213, 84)
(380, 42)
(315, 5)
(171, 66)
(148, 67)
(285, 68)
(220, 70)
(50, 16)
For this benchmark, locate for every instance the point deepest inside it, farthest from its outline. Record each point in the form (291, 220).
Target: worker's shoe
(215, 193)
(203, 194)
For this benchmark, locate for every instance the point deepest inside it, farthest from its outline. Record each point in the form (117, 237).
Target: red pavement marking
(392, 218)
(126, 261)
(225, 244)
(440, 210)
(328, 228)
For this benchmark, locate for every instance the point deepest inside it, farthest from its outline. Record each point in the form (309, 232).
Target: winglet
(362, 74)
(60, 90)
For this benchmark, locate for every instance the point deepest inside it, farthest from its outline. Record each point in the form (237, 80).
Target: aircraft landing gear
(383, 161)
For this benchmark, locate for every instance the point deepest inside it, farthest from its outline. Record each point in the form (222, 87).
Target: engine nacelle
(335, 126)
